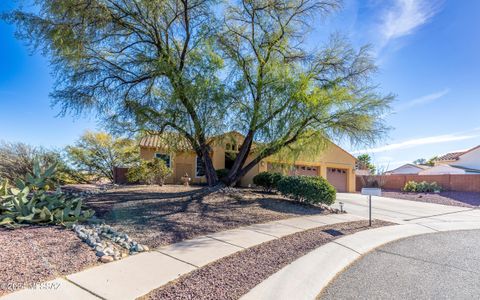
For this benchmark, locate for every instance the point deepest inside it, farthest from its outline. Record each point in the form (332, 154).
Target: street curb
(306, 277)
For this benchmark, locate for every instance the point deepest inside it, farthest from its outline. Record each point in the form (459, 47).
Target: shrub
(29, 202)
(222, 173)
(410, 186)
(267, 180)
(150, 172)
(307, 189)
(17, 160)
(421, 187)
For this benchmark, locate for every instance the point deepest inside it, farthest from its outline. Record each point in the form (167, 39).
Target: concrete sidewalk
(137, 275)
(307, 276)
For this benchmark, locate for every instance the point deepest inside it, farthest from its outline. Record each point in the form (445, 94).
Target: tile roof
(177, 141)
(451, 156)
(168, 140)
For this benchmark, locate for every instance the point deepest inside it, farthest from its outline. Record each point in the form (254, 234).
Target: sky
(428, 57)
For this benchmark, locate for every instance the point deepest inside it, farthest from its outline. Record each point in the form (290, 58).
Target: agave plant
(31, 202)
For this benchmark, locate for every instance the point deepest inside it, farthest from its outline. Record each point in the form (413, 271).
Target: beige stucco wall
(330, 157)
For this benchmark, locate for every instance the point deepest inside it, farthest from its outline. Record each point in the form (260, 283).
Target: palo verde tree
(287, 96)
(98, 153)
(145, 65)
(171, 65)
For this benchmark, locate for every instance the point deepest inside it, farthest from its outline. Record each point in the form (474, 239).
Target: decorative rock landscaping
(108, 243)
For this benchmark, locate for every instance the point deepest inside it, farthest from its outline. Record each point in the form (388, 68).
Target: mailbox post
(371, 192)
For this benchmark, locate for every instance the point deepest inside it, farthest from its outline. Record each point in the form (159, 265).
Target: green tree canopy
(286, 95)
(98, 153)
(365, 163)
(198, 68)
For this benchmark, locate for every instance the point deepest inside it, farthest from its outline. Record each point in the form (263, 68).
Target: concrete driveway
(405, 211)
(443, 265)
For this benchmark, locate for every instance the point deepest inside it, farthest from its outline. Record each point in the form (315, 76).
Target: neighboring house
(469, 159)
(408, 169)
(448, 169)
(333, 163)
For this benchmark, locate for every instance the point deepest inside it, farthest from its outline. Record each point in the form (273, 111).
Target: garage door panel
(337, 178)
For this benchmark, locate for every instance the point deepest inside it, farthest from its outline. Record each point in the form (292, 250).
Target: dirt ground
(32, 255)
(464, 199)
(157, 216)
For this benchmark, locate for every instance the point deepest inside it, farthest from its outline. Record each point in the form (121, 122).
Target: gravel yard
(156, 216)
(235, 275)
(464, 199)
(36, 254)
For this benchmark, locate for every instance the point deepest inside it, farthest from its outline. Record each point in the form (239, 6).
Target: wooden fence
(455, 182)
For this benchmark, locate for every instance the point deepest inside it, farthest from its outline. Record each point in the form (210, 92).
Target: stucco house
(332, 163)
(448, 169)
(408, 169)
(468, 159)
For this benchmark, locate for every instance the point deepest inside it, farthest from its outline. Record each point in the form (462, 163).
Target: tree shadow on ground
(158, 219)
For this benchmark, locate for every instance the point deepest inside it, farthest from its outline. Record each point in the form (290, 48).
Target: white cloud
(419, 142)
(423, 100)
(404, 18)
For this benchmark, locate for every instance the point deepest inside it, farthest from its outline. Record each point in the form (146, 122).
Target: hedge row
(307, 189)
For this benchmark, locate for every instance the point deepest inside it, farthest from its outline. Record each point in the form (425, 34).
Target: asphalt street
(443, 265)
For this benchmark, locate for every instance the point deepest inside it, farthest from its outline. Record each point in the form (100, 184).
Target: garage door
(297, 170)
(337, 178)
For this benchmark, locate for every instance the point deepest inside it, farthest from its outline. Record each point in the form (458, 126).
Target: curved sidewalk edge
(137, 275)
(306, 277)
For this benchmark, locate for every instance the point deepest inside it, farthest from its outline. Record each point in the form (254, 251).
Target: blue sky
(427, 51)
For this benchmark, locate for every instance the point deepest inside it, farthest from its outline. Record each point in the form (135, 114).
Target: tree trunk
(239, 174)
(235, 177)
(240, 159)
(210, 173)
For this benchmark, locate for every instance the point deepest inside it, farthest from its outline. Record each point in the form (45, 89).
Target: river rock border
(108, 243)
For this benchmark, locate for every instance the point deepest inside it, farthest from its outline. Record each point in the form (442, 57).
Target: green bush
(267, 180)
(421, 187)
(222, 173)
(30, 202)
(307, 189)
(150, 172)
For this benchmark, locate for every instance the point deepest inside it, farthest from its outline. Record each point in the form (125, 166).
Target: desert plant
(150, 172)
(422, 187)
(410, 186)
(307, 189)
(267, 180)
(30, 202)
(17, 160)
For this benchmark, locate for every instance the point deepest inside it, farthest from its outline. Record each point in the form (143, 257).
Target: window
(164, 157)
(199, 169)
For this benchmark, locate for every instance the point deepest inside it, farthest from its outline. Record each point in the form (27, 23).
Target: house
(448, 169)
(408, 169)
(332, 163)
(468, 159)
